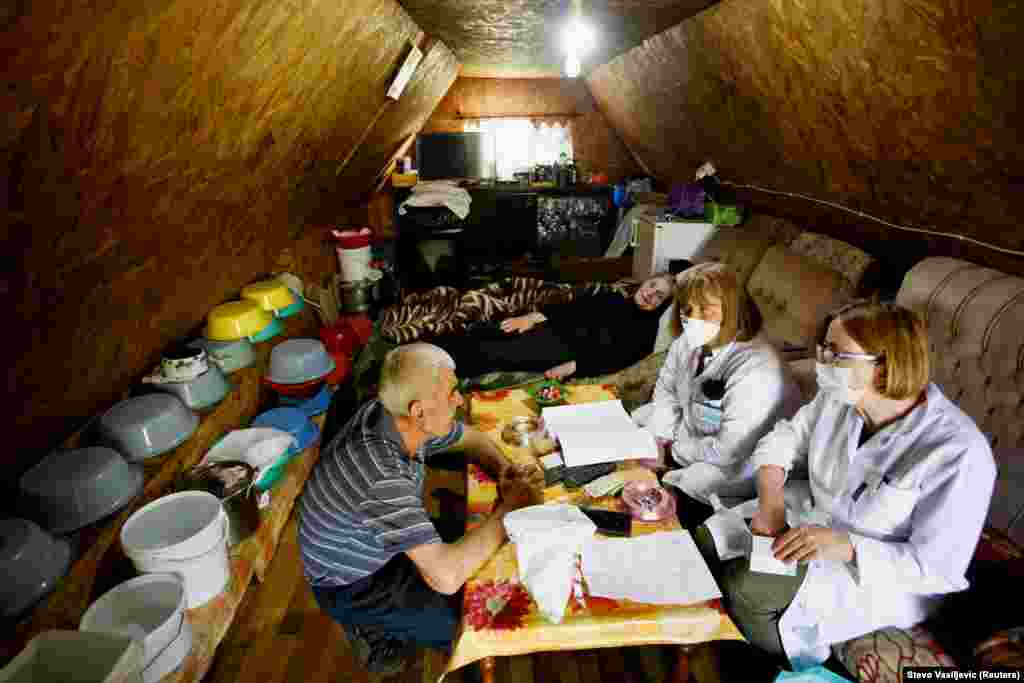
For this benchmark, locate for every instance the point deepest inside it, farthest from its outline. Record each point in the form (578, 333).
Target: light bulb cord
(861, 214)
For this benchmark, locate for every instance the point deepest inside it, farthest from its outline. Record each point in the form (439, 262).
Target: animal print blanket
(446, 310)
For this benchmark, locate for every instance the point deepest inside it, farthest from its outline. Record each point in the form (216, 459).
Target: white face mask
(699, 332)
(837, 382)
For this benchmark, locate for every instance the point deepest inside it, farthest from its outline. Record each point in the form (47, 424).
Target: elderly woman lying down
(592, 335)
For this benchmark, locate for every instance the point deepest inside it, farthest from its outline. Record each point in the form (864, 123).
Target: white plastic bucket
(76, 657)
(183, 533)
(152, 608)
(354, 263)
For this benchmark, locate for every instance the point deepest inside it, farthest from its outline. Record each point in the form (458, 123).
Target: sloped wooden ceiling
(160, 155)
(523, 38)
(909, 109)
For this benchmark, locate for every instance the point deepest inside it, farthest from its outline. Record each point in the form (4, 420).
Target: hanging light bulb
(572, 65)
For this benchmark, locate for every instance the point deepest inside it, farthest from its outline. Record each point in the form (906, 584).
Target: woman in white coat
(718, 392)
(898, 484)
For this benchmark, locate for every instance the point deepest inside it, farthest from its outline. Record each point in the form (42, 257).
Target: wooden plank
(402, 119)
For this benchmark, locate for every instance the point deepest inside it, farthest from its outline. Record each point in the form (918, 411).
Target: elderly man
(370, 552)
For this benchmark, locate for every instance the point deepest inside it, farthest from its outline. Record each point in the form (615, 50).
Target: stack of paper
(591, 433)
(663, 568)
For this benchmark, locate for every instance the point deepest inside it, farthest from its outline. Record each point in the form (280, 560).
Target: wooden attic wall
(158, 156)
(907, 109)
(596, 146)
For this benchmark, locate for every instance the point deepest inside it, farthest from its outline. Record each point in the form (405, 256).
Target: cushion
(779, 230)
(851, 262)
(741, 248)
(879, 657)
(794, 294)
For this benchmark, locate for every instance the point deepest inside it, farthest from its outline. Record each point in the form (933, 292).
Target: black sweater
(605, 331)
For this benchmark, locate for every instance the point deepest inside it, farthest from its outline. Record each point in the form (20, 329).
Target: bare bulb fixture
(572, 66)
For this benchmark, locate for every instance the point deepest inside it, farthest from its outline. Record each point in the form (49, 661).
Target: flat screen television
(450, 155)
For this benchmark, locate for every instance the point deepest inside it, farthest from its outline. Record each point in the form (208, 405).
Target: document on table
(663, 568)
(592, 433)
(762, 559)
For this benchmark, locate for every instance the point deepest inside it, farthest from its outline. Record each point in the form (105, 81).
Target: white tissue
(729, 530)
(548, 538)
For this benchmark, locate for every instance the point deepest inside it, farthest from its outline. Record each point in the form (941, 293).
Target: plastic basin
(146, 426)
(236, 320)
(296, 361)
(67, 490)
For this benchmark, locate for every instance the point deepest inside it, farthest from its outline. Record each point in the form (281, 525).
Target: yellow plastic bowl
(235, 320)
(271, 295)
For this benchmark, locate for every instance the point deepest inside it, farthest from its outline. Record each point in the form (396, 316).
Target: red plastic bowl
(303, 390)
(339, 338)
(342, 367)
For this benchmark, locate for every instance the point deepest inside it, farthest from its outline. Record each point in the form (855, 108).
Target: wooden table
(499, 617)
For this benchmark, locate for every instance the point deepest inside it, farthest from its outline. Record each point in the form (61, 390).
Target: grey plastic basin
(68, 489)
(147, 426)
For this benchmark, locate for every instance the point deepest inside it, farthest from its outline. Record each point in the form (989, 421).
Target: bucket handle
(181, 627)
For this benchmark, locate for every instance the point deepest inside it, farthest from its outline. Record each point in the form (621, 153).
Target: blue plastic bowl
(295, 422)
(316, 405)
(291, 420)
(291, 310)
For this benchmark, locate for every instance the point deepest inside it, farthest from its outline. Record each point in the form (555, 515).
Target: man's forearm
(480, 450)
(474, 549)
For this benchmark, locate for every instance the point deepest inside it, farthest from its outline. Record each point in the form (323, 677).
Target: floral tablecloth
(499, 617)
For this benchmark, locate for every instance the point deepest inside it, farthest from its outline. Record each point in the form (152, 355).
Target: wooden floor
(281, 635)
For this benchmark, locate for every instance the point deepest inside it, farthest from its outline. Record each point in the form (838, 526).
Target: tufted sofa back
(975, 319)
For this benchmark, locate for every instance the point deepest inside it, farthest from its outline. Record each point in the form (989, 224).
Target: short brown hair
(895, 334)
(740, 318)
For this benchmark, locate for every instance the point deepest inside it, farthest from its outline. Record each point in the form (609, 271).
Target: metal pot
(356, 296)
(232, 481)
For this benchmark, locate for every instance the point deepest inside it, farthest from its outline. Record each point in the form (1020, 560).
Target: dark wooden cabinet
(503, 225)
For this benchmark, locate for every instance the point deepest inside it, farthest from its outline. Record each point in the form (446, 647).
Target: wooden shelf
(101, 564)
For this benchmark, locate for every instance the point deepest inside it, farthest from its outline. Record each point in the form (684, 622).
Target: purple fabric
(686, 199)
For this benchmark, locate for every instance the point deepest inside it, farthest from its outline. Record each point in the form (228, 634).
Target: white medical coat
(758, 391)
(913, 498)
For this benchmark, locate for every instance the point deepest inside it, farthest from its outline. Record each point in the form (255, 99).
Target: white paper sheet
(762, 559)
(663, 568)
(730, 533)
(598, 432)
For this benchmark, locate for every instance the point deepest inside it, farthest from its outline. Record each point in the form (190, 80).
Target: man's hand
(522, 323)
(561, 371)
(813, 542)
(518, 488)
(769, 520)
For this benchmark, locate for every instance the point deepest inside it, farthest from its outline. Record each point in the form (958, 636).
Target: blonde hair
(895, 334)
(409, 373)
(740, 318)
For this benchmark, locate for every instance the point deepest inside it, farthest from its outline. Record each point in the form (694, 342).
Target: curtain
(514, 145)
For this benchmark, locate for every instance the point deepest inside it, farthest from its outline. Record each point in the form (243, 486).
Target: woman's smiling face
(652, 293)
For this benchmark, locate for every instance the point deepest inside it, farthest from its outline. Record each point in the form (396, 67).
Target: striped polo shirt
(363, 502)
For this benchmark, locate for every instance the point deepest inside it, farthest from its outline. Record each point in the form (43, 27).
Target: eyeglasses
(829, 356)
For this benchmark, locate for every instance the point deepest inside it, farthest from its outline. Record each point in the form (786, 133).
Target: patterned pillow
(841, 257)
(879, 657)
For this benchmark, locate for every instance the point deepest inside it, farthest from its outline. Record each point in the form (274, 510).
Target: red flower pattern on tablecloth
(479, 475)
(500, 605)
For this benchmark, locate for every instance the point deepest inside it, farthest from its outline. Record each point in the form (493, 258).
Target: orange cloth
(500, 619)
